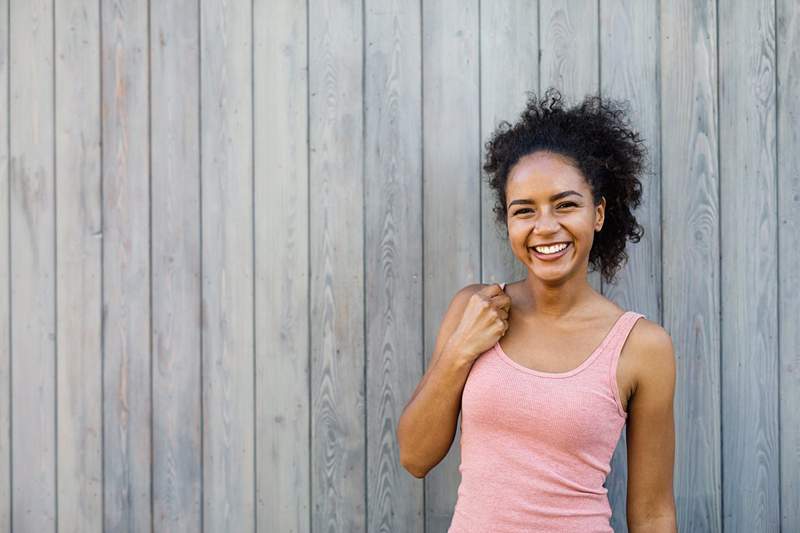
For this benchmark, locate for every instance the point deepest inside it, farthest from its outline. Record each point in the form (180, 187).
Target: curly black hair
(596, 137)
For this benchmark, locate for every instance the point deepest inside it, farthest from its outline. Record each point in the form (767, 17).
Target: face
(548, 202)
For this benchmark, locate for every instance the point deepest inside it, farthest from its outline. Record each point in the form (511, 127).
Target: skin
(556, 308)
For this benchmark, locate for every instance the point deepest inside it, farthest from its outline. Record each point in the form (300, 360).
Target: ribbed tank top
(536, 446)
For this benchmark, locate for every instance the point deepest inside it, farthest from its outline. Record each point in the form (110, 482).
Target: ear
(600, 214)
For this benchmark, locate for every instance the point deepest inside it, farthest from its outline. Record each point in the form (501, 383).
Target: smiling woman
(596, 158)
(545, 372)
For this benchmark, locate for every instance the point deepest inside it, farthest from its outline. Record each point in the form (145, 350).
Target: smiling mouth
(553, 251)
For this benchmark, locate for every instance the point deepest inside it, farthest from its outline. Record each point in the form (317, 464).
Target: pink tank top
(536, 446)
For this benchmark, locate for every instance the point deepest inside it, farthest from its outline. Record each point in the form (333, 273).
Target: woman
(542, 411)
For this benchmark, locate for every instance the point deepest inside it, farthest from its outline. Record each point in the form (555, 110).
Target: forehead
(543, 173)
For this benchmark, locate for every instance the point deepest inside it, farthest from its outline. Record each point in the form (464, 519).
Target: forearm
(427, 426)
(665, 522)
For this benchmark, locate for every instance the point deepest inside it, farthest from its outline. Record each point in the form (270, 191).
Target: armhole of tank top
(612, 371)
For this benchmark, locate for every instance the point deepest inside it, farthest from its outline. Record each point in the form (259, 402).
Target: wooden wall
(232, 229)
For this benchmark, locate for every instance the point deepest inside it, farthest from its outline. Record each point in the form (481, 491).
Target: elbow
(413, 469)
(407, 462)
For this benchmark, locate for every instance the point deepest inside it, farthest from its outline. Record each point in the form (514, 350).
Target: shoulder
(651, 354)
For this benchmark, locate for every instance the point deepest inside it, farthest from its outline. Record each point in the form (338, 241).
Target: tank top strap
(613, 349)
(619, 333)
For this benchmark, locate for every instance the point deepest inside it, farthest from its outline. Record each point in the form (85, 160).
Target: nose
(545, 225)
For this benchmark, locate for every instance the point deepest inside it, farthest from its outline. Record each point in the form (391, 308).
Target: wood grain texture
(127, 404)
(5, 285)
(691, 254)
(509, 69)
(629, 39)
(79, 238)
(393, 254)
(227, 267)
(451, 195)
(569, 55)
(33, 276)
(283, 476)
(175, 164)
(788, 141)
(338, 425)
(750, 440)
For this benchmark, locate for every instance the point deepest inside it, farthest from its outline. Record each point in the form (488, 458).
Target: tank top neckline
(586, 362)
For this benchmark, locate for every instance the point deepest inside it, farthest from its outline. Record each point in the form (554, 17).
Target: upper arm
(449, 323)
(651, 426)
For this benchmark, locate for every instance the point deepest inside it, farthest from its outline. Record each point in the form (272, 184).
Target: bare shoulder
(650, 353)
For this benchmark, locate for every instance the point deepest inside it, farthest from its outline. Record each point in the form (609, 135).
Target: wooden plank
(509, 64)
(569, 48)
(691, 248)
(227, 237)
(788, 76)
(451, 195)
(5, 286)
(126, 268)
(283, 478)
(750, 440)
(33, 276)
(570, 56)
(393, 254)
(338, 452)
(79, 235)
(629, 69)
(175, 164)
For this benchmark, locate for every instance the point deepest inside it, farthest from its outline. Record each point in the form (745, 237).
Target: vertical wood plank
(750, 454)
(79, 236)
(509, 64)
(788, 77)
(126, 267)
(569, 47)
(5, 292)
(393, 252)
(691, 251)
(629, 70)
(570, 56)
(33, 276)
(227, 266)
(451, 195)
(175, 164)
(338, 454)
(280, 72)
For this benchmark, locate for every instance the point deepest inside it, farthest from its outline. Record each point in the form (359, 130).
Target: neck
(557, 301)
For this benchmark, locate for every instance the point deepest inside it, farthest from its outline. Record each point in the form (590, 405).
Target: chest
(558, 351)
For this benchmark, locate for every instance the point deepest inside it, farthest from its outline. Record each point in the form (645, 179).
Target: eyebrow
(553, 198)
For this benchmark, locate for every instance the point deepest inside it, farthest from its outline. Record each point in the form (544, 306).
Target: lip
(551, 257)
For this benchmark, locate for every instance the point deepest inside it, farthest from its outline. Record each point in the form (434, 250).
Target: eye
(568, 203)
(517, 212)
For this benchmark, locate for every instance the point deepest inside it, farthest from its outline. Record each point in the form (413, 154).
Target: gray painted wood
(748, 201)
(632, 27)
(338, 424)
(393, 254)
(788, 76)
(509, 69)
(127, 404)
(33, 276)
(451, 195)
(691, 251)
(79, 235)
(229, 460)
(5, 286)
(175, 245)
(283, 481)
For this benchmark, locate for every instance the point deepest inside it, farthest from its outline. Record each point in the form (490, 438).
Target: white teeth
(550, 249)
